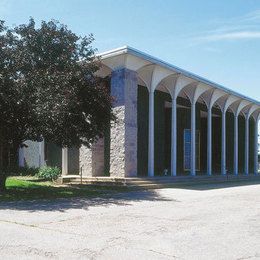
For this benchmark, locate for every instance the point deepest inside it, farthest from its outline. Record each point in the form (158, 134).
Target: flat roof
(154, 60)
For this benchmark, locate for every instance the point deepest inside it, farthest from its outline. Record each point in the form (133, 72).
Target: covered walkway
(206, 128)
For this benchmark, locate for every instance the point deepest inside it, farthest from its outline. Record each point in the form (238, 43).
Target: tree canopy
(49, 87)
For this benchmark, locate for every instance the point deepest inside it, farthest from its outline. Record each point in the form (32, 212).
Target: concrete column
(151, 135)
(123, 149)
(223, 144)
(209, 140)
(246, 145)
(174, 138)
(65, 161)
(235, 145)
(193, 139)
(256, 148)
(21, 156)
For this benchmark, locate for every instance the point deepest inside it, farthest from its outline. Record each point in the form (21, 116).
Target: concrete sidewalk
(202, 222)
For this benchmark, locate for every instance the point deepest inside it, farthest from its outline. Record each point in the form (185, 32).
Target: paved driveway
(201, 223)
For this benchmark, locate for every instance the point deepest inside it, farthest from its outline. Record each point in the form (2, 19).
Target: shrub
(49, 173)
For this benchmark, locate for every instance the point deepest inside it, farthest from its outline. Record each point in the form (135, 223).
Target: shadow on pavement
(121, 199)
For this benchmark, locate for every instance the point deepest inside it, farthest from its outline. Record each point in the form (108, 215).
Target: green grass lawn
(30, 188)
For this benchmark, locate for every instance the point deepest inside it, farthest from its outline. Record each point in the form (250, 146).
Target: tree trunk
(2, 182)
(2, 175)
(12, 161)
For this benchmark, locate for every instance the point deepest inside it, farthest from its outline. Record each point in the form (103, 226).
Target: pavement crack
(160, 253)
(43, 228)
(18, 223)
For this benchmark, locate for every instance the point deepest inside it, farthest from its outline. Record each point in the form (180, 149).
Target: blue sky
(219, 40)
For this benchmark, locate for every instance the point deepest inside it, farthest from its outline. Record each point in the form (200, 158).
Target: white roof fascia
(153, 60)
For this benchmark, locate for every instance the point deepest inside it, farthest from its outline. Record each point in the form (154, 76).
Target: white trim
(153, 60)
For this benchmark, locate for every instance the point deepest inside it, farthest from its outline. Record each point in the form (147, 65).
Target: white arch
(256, 114)
(248, 111)
(155, 76)
(237, 107)
(174, 85)
(224, 103)
(145, 73)
(194, 92)
(210, 97)
(158, 75)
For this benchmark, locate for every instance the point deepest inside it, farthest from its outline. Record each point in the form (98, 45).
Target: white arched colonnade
(155, 74)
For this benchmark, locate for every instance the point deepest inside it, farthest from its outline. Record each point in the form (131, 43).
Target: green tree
(49, 87)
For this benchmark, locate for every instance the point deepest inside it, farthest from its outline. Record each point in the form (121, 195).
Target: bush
(49, 173)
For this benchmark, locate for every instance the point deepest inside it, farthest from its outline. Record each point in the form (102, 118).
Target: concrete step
(154, 182)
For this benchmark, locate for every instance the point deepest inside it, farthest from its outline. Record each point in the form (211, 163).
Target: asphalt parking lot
(202, 222)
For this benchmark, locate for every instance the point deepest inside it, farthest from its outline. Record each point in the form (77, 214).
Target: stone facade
(98, 158)
(117, 147)
(91, 160)
(85, 160)
(123, 149)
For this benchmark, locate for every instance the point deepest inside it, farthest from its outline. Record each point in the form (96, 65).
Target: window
(187, 149)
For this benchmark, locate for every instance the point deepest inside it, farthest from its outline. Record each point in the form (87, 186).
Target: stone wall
(91, 160)
(123, 148)
(117, 146)
(85, 161)
(123, 132)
